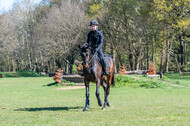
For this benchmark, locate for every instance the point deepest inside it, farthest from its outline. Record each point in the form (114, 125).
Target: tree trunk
(181, 50)
(70, 68)
(14, 65)
(147, 54)
(42, 62)
(153, 50)
(167, 55)
(162, 61)
(185, 53)
(58, 63)
(130, 57)
(36, 69)
(54, 65)
(177, 64)
(119, 58)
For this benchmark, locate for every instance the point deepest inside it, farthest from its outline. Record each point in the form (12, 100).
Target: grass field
(183, 79)
(20, 74)
(29, 101)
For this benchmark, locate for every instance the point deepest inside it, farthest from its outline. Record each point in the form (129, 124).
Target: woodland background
(45, 36)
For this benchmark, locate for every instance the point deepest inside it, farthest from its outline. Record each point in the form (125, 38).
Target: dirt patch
(71, 87)
(76, 86)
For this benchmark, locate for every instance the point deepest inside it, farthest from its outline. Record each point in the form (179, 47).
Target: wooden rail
(73, 78)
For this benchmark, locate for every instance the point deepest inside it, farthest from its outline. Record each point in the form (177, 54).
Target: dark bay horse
(93, 73)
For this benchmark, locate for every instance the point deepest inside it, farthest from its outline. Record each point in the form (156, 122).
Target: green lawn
(21, 74)
(28, 101)
(183, 79)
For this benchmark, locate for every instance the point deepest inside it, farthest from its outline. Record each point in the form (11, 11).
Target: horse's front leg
(98, 93)
(87, 96)
(106, 96)
(106, 87)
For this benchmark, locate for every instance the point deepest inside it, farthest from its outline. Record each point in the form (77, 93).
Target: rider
(95, 39)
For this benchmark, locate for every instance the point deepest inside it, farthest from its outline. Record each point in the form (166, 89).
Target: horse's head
(85, 53)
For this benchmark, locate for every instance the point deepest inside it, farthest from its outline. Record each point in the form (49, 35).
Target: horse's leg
(87, 96)
(106, 91)
(98, 93)
(105, 86)
(108, 87)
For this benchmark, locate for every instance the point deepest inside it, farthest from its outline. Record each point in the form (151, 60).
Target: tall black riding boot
(105, 62)
(105, 67)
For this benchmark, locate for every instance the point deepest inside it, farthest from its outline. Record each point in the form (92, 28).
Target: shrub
(22, 74)
(122, 69)
(123, 80)
(152, 69)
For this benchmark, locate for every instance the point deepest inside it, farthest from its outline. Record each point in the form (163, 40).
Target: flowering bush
(57, 76)
(122, 69)
(152, 69)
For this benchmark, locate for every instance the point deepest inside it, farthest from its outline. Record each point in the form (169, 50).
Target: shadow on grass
(51, 84)
(49, 109)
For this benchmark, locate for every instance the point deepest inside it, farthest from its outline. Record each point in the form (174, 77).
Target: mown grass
(21, 74)
(183, 79)
(28, 101)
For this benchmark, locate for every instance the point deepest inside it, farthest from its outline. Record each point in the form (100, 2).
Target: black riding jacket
(95, 39)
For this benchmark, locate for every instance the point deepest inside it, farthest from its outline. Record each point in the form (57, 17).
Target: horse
(93, 73)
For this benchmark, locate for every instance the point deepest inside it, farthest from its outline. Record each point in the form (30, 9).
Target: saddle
(100, 61)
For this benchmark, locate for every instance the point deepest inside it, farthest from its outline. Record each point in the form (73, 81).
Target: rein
(89, 61)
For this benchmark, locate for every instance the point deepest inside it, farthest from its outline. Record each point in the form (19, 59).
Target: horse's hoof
(100, 103)
(85, 109)
(108, 104)
(104, 108)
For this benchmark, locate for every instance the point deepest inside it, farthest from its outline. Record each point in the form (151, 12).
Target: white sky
(5, 5)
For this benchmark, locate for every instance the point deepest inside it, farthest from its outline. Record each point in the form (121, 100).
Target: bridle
(89, 61)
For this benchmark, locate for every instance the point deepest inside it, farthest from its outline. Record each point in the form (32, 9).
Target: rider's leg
(104, 62)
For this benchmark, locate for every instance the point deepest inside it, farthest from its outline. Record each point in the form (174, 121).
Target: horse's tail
(113, 80)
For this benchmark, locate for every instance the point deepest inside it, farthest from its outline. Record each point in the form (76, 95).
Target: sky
(6, 5)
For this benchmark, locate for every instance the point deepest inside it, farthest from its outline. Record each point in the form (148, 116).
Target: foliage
(22, 74)
(136, 32)
(122, 69)
(41, 38)
(93, 10)
(152, 69)
(57, 76)
(74, 69)
(123, 80)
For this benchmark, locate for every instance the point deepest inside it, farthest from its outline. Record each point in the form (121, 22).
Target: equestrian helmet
(94, 22)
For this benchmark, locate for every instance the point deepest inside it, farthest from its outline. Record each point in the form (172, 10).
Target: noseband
(89, 61)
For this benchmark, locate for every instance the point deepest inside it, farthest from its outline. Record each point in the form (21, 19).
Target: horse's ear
(79, 46)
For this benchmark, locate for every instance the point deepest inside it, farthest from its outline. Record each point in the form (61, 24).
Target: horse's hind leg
(108, 91)
(98, 93)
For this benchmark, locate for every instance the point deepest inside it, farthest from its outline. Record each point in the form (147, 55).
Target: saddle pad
(100, 62)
